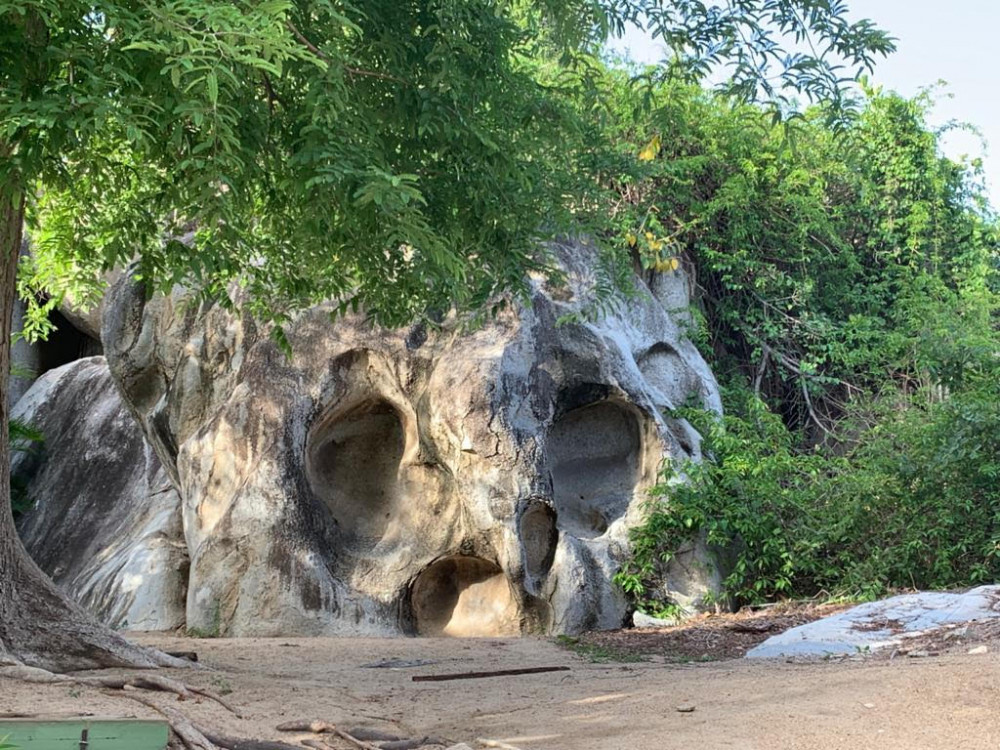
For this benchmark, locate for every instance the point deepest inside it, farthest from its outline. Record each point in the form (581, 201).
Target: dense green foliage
(914, 504)
(817, 253)
(403, 157)
(846, 282)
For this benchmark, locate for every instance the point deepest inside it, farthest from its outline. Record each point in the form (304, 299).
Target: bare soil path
(949, 700)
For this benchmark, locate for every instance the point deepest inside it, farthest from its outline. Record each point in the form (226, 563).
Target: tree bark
(39, 625)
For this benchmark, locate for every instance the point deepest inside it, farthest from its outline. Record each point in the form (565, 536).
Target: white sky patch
(954, 42)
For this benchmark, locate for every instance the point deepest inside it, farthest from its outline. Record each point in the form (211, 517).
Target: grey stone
(434, 482)
(106, 524)
(876, 625)
(641, 620)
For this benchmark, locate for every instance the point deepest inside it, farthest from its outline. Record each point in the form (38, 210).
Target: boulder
(106, 521)
(444, 481)
(439, 480)
(877, 625)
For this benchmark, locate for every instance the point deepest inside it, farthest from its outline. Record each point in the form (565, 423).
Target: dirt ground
(621, 690)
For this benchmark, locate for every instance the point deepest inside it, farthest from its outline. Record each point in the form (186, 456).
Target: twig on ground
(305, 725)
(317, 726)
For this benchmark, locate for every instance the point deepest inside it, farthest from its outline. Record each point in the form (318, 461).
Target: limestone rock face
(411, 481)
(106, 525)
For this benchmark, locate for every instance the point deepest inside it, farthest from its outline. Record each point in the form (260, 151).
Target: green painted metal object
(84, 734)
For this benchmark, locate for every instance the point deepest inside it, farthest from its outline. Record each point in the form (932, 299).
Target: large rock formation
(107, 523)
(448, 481)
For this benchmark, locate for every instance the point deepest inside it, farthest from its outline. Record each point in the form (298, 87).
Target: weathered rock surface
(409, 481)
(106, 525)
(876, 625)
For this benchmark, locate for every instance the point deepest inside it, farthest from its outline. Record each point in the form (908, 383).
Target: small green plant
(222, 685)
(4, 745)
(212, 630)
(597, 654)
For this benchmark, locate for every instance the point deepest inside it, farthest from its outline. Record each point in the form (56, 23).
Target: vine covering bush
(846, 287)
(914, 503)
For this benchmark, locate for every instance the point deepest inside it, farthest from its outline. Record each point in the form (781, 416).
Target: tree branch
(323, 56)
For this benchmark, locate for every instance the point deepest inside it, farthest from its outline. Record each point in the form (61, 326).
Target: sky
(955, 41)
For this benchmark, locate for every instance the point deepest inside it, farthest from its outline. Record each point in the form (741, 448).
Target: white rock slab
(875, 625)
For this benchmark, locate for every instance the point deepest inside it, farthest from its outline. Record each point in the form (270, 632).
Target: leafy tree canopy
(401, 156)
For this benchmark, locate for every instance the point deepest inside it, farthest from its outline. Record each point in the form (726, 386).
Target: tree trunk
(39, 625)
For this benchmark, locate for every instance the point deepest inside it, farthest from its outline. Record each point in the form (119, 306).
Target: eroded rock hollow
(432, 482)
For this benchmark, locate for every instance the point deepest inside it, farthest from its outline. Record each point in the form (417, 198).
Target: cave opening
(353, 466)
(594, 454)
(464, 597)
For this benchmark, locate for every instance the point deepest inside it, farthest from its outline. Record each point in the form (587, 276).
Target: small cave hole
(65, 344)
(539, 538)
(665, 369)
(464, 597)
(353, 466)
(594, 460)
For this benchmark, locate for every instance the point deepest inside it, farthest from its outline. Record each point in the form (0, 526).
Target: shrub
(914, 503)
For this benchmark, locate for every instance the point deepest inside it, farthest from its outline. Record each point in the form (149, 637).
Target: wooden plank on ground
(480, 675)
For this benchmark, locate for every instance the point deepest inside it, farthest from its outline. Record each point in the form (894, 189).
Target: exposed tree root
(324, 727)
(189, 735)
(56, 635)
(232, 743)
(140, 682)
(194, 737)
(180, 725)
(186, 734)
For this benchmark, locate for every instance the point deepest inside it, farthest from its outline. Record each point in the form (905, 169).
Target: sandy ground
(948, 700)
